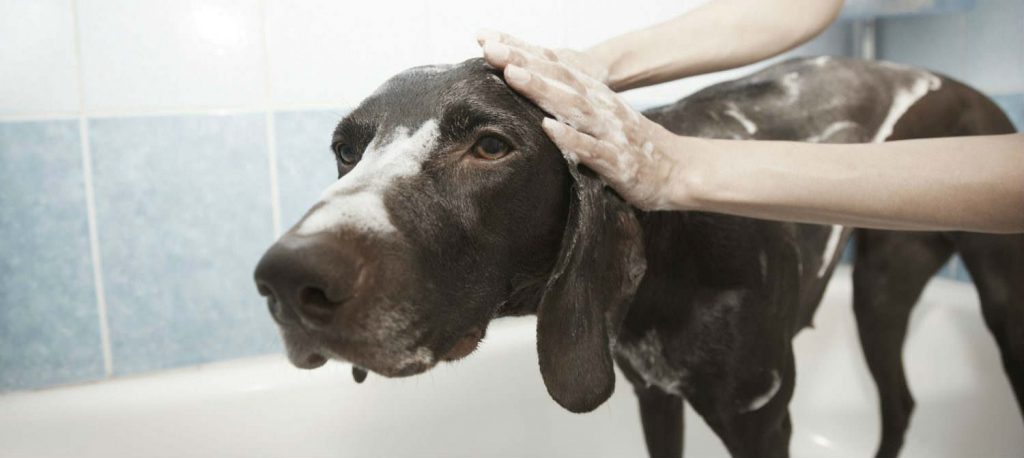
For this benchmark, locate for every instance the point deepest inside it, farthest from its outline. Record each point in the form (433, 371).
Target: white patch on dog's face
(356, 200)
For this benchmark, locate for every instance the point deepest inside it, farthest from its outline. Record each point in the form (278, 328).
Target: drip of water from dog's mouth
(358, 374)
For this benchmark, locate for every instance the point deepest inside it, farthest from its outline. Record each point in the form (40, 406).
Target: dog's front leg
(662, 417)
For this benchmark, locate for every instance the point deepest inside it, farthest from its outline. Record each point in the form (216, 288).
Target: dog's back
(776, 272)
(832, 100)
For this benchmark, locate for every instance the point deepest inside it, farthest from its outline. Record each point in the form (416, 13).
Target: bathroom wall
(982, 45)
(150, 151)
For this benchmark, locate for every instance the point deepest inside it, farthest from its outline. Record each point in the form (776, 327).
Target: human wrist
(690, 176)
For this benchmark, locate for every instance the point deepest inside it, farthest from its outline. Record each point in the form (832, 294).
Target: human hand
(594, 125)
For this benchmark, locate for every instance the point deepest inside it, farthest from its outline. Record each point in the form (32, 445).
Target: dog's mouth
(314, 356)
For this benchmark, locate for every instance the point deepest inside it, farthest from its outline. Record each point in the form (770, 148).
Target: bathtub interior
(494, 403)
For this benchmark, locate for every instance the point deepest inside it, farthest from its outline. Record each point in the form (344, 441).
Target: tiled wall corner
(183, 214)
(49, 328)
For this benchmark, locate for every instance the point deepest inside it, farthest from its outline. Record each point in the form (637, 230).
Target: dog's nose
(307, 279)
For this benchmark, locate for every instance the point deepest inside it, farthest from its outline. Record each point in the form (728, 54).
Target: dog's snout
(307, 279)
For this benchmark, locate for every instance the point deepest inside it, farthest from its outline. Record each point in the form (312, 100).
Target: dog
(453, 208)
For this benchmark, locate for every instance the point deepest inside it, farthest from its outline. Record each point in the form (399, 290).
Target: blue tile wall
(183, 214)
(49, 326)
(305, 163)
(981, 47)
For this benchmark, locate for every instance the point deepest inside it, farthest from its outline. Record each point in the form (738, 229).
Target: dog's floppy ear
(597, 271)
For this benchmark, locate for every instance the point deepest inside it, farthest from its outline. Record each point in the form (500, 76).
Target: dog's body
(384, 273)
(715, 328)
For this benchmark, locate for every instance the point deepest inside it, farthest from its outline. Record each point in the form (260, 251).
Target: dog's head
(452, 208)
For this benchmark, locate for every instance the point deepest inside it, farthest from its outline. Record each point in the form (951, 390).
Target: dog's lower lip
(313, 361)
(464, 346)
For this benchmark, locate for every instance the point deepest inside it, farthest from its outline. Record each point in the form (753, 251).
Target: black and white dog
(453, 208)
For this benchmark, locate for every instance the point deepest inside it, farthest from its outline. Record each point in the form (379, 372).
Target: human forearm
(962, 183)
(719, 35)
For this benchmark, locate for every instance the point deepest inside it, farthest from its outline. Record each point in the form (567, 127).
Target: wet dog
(453, 208)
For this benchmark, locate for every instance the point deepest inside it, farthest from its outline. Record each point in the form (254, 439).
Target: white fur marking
(830, 249)
(765, 398)
(357, 199)
(736, 114)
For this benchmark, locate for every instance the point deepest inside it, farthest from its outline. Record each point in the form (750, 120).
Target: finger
(579, 147)
(558, 99)
(485, 36)
(499, 56)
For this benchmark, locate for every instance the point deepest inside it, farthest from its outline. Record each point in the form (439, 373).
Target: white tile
(37, 57)
(332, 53)
(454, 23)
(185, 54)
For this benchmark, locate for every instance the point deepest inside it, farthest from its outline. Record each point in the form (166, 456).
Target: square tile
(330, 53)
(188, 54)
(305, 163)
(49, 326)
(37, 55)
(183, 214)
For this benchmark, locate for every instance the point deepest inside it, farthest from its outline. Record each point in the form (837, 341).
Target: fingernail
(485, 35)
(553, 127)
(496, 51)
(516, 74)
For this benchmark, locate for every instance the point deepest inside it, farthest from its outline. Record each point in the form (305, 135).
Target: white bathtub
(494, 404)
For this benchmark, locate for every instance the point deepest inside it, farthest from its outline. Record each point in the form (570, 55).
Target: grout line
(275, 201)
(90, 204)
(94, 249)
(269, 121)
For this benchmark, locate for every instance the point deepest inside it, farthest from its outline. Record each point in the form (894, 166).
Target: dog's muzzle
(307, 280)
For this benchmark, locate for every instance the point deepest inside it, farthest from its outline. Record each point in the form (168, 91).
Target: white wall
(110, 57)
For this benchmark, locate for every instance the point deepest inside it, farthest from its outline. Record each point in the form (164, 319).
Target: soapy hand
(592, 124)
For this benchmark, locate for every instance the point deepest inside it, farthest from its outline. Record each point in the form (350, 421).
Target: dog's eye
(491, 148)
(347, 154)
